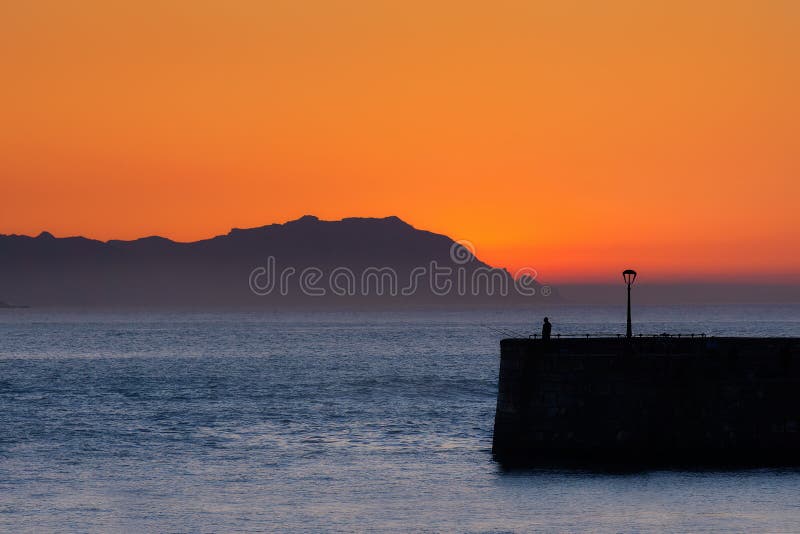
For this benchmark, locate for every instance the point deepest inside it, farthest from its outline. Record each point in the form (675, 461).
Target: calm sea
(176, 422)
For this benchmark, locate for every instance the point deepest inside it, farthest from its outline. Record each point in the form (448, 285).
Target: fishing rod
(504, 332)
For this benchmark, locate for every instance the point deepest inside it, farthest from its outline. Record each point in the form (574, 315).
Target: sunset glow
(578, 138)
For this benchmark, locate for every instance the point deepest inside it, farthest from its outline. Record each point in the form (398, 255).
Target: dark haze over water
(324, 421)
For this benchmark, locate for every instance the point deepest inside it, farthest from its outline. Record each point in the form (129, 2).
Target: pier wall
(655, 401)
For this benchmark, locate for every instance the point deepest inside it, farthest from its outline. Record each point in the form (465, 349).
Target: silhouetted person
(546, 327)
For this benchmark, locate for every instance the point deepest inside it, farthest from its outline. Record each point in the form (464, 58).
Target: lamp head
(629, 275)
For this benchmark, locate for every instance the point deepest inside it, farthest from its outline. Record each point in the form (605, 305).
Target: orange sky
(578, 138)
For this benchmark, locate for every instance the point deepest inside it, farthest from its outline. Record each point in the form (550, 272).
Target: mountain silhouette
(362, 253)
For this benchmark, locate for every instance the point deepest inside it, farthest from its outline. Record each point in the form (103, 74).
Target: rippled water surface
(134, 421)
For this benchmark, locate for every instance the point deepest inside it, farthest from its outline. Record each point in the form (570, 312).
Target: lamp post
(629, 275)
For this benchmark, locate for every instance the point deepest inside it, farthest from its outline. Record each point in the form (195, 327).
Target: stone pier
(655, 401)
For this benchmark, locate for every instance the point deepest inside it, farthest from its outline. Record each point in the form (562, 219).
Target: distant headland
(306, 263)
(7, 306)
